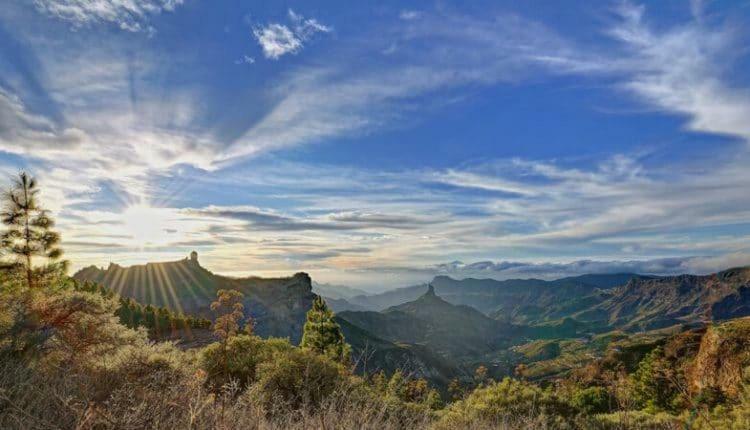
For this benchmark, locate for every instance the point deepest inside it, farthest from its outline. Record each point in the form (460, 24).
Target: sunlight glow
(146, 225)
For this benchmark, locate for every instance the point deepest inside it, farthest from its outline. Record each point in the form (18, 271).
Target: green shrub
(593, 400)
(240, 361)
(296, 377)
(652, 383)
(509, 403)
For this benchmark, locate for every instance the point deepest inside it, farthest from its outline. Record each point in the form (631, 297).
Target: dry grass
(65, 400)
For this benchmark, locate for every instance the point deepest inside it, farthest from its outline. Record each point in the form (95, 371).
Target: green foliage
(160, 321)
(243, 353)
(295, 377)
(323, 335)
(653, 383)
(28, 232)
(593, 400)
(506, 402)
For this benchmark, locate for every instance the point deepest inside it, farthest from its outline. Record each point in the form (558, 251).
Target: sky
(378, 144)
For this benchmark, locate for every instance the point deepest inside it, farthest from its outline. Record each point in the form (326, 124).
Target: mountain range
(277, 305)
(446, 328)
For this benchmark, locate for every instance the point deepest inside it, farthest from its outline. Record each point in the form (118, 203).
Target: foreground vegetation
(78, 356)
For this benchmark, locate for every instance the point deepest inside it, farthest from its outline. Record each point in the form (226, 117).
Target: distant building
(194, 257)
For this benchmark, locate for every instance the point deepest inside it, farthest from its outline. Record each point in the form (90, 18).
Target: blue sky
(381, 144)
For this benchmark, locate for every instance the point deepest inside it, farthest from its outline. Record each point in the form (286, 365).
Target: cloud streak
(128, 15)
(106, 124)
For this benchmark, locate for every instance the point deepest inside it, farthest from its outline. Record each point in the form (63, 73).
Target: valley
(445, 329)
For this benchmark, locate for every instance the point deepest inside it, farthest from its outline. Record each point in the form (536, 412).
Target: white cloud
(682, 69)
(502, 270)
(110, 130)
(129, 15)
(278, 39)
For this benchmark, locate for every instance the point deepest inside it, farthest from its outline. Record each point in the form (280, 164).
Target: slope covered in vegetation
(71, 357)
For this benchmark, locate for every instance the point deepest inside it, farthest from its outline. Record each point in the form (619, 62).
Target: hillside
(515, 300)
(456, 332)
(336, 291)
(650, 303)
(372, 354)
(277, 305)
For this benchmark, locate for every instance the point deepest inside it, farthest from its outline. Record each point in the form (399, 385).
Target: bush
(295, 378)
(652, 383)
(509, 403)
(240, 361)
(593, 400)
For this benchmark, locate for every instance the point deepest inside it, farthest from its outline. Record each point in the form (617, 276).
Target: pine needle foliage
(322, 333)
(29, 230)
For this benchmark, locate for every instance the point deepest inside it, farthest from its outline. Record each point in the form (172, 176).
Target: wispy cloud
(259, 219)
(105, 124)
(502, 270)
(246, 59)
(682, 70)
(278, 40)
(128, 15)
(409, 15)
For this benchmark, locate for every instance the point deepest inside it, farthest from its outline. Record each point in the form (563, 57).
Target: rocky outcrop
(277, 305)
(723, 356)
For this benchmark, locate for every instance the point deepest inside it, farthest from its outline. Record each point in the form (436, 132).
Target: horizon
(375, 146)
(369, 290)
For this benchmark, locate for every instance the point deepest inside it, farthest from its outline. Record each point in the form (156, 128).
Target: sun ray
(117, 282)
(184, 282)
(170, 297)
(193, 280)
(167, 283)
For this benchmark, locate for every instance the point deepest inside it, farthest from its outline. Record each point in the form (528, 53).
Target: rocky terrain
(277, 305)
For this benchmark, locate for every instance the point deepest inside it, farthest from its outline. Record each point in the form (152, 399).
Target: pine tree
(29, 231)
(323, 335)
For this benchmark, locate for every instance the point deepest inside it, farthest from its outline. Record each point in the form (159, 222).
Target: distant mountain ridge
(515, 298)
(277, 305)
(646, 304)
(529, 311)
(453, 331)
(336, 291)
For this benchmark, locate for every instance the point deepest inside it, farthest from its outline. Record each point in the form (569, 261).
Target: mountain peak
(430, 290)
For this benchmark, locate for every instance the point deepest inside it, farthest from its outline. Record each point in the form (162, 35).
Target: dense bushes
(296, 377)
(508, 403)
(593, 400)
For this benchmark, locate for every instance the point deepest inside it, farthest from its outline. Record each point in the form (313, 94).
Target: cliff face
(277, 305)
(723, 356)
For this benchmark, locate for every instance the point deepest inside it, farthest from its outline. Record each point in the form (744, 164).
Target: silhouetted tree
(28, 231)
(322, 333)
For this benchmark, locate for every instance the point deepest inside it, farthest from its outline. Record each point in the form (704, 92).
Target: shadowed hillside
(277, 305)
(452, 331)
(644, 304)
(518, 300)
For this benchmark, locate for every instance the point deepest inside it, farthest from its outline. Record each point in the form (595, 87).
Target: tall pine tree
(28, 232)
(322, 333)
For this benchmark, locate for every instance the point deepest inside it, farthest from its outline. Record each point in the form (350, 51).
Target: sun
(145, 224)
